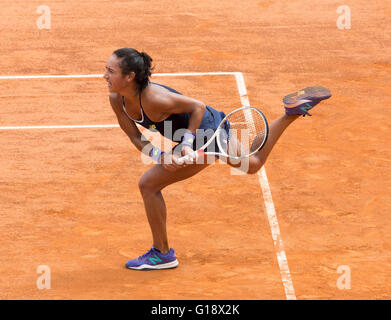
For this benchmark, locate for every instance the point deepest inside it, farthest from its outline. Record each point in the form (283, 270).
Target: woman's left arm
(173, 103)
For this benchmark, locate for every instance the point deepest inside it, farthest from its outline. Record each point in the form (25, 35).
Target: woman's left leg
(151, 184)
(296, 104)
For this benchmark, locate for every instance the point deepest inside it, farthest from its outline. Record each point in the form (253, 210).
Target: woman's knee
(253, 169)
(250, 165)
(147, 185)
(255, 165)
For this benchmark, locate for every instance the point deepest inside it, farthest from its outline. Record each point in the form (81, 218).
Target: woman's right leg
(252, 164)
(150, 185)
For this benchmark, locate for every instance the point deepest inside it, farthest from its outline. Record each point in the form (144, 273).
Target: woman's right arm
(140, 142)
(129, 127)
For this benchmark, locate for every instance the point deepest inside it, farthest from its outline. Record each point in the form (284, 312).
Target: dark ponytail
(134, 61)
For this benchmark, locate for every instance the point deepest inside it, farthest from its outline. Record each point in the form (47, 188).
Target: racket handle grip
(187, 158)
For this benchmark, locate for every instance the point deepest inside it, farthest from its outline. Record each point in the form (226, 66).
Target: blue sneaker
(154, 260)
(302, 101)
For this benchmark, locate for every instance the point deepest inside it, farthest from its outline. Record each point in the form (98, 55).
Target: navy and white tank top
(174, 122)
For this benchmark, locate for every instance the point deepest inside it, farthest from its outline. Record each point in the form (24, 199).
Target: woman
(135, 99)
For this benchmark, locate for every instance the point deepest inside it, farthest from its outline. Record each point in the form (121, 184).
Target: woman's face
(116, 81)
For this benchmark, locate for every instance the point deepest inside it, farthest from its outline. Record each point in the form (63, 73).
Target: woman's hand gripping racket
(239, 135)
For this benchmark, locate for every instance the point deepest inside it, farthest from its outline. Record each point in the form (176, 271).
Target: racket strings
(246, 132)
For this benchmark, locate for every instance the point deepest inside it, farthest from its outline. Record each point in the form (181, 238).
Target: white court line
(73, 76)
(270, 209)
(61, 127)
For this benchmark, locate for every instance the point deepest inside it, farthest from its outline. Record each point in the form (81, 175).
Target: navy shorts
(210, 122)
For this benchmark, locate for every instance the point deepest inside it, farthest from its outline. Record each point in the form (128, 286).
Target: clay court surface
(69, 197)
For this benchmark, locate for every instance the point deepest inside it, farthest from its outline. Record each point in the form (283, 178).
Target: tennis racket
(239, 135)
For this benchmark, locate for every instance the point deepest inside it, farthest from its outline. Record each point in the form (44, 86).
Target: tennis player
(137, 100)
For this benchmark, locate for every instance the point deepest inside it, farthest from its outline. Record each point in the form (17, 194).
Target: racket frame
(200, 151)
